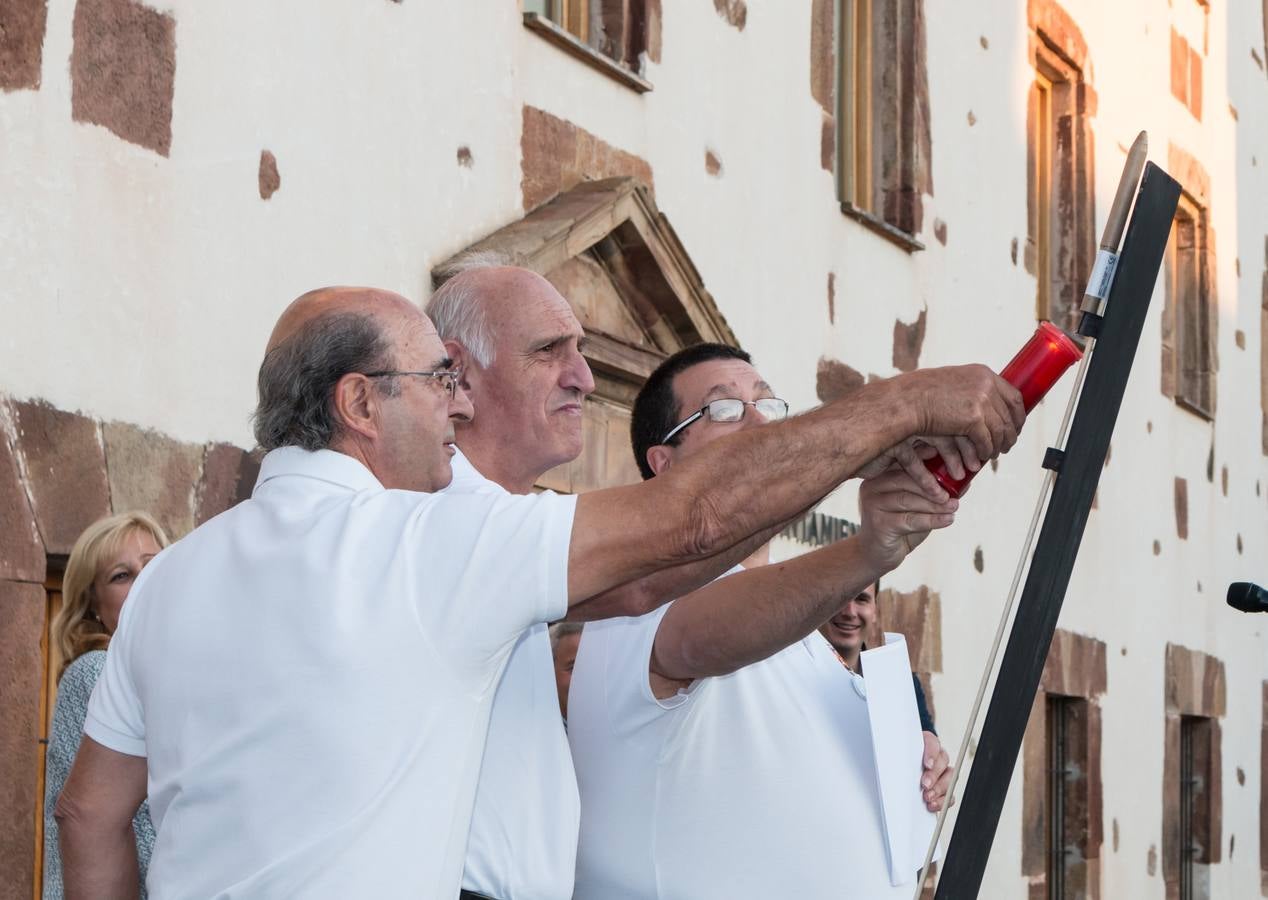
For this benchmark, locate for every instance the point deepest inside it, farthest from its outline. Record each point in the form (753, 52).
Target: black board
(1058, 543)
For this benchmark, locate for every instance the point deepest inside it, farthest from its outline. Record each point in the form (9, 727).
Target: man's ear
(461, 360)
(356, 403)
(659, 458)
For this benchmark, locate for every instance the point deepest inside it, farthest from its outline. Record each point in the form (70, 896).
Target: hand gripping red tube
(1033, 371)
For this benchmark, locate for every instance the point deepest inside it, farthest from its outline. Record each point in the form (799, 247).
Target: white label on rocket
(1098, 285)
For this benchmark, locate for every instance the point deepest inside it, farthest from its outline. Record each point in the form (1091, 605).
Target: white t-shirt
(310, 676)
(523, 842)
(749, 786)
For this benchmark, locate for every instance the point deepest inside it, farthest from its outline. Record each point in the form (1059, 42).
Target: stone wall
(557, 155)
(59, 472)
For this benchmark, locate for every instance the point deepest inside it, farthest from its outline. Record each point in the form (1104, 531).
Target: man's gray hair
(297, 379)
(455, 307)
(561, 630)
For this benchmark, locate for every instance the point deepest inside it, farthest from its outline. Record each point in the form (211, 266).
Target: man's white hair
(455, 306)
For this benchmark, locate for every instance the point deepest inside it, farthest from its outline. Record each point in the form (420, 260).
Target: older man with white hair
(518, 344)
(519, 347)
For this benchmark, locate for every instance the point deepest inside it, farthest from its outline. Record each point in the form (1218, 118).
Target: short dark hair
(656, 408)
(298, 377)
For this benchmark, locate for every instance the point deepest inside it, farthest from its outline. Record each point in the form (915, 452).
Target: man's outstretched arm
(94, 823)
(755, 479)
(747, 617)
(635, 598)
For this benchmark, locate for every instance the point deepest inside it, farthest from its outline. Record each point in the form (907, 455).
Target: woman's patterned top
(73, 692)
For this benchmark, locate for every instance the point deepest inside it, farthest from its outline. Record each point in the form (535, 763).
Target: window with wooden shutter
(1189, 327)
(1194, 790)
(608, 35)
(1060, 234)
(1263, 371)
(1067, 797)
(1062, 835)
(1196, 698)
(882, 117)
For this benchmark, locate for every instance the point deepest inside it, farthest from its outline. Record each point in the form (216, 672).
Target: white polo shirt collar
(325, 465)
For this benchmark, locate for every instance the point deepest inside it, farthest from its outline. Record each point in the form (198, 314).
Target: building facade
(847, 188)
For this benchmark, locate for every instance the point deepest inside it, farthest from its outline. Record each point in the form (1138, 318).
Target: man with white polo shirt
(721, 748)
(519, 345)
(304, 683)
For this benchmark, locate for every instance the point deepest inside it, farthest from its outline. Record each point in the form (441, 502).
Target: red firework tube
(1033, 371)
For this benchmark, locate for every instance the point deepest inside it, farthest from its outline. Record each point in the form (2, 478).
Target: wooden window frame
(1195, 782)
(1060, 240)
(567, 24)
(1067, 806)
(1195, 701)
(854, 119)
(1263, 397)
(1190, 317)
(1041, 208)
(1058, 778)
(860, 145)
(573, 16)
(1074, 680)
(51, 664)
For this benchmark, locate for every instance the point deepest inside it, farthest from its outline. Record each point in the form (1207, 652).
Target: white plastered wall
(140, 288)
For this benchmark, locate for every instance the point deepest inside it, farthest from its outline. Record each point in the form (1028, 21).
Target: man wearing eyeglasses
(719, 748)
(304, 683)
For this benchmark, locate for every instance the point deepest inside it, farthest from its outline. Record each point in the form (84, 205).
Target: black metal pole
(1058, 542)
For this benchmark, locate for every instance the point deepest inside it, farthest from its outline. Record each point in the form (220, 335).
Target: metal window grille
(1061, 771)
(1190, 784)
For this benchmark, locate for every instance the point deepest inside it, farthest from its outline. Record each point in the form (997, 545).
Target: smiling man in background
(846, 631)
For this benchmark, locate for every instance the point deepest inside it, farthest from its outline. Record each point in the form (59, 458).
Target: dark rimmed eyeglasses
(731, 410)
(448, 378)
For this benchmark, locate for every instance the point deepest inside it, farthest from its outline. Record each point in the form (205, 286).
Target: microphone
(1247, 597)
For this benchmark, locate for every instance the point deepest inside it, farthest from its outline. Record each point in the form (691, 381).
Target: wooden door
(50, 665)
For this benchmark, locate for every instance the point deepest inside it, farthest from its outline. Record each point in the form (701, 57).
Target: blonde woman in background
(103, 566)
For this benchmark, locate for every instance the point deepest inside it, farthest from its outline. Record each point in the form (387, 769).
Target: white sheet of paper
(897, 748)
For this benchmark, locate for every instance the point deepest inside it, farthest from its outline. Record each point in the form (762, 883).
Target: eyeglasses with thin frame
(730, 409)
(448, 378)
